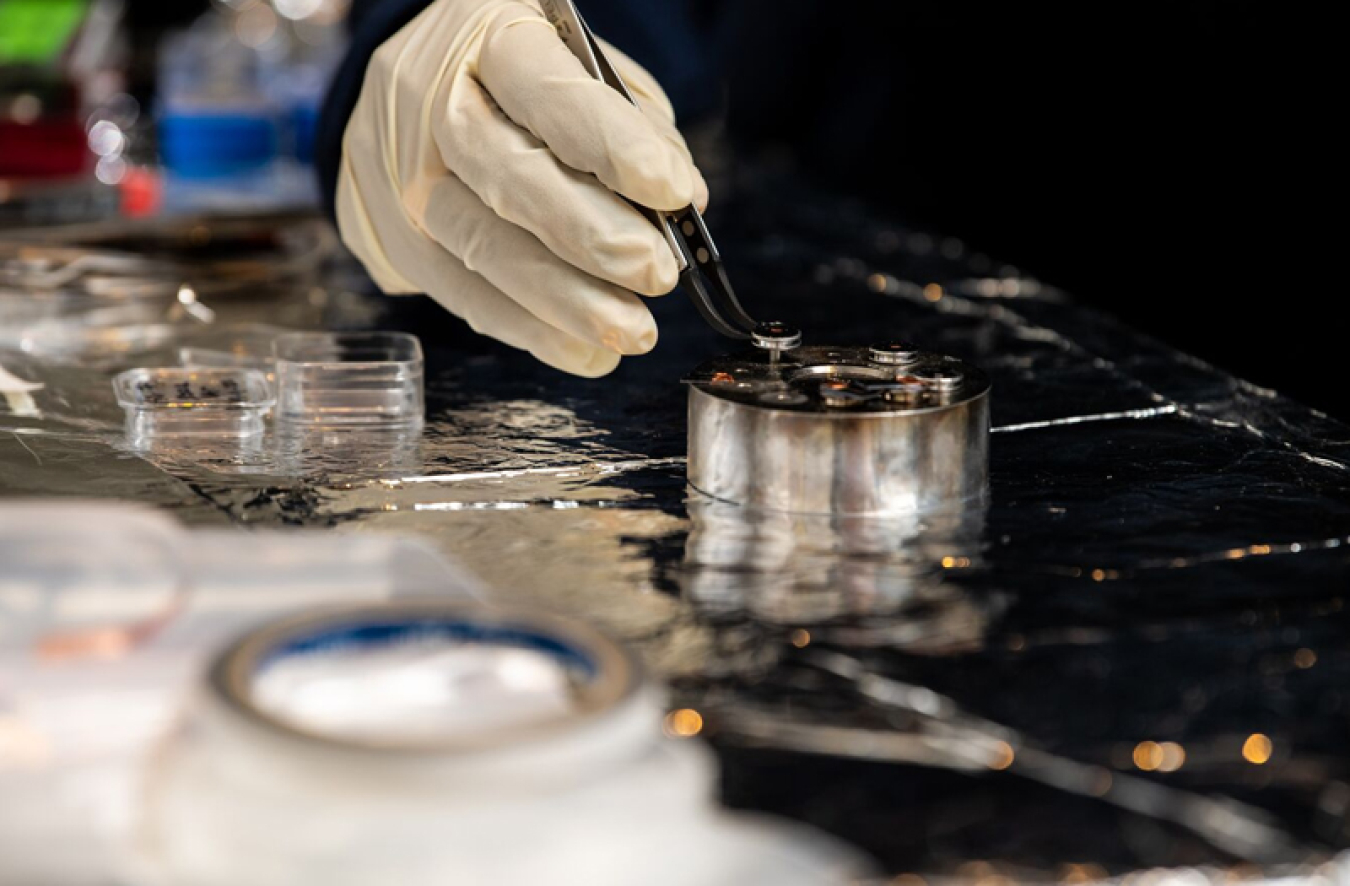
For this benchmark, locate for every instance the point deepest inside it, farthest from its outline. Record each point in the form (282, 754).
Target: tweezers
(701, 272)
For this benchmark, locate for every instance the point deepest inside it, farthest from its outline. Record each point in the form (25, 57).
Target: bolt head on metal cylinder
(943, 378)
(893, 353)
(776, 336)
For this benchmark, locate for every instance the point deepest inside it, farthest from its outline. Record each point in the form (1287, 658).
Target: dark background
(1170, 163)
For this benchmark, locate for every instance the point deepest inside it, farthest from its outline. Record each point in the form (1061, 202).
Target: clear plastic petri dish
(211, 402)
(349, 378)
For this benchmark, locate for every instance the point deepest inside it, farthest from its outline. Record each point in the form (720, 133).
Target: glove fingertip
(630, 343)
(652, 172)
(597, 364)
(701, 195)
(664, 273)
(669, 193)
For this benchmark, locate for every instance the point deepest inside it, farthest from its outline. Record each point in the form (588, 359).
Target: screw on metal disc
(775, 336)
(905, 391)
(941, 377)
(891, 353)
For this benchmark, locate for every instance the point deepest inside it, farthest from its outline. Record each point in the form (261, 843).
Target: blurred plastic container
(44, 71)
(239, 95)
(72, 322)
(425, 743)
(219, 132)
(106, 613)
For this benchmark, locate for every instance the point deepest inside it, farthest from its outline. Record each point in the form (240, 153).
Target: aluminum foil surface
(1136, 657)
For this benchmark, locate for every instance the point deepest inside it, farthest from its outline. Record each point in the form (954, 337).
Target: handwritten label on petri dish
(218, 392)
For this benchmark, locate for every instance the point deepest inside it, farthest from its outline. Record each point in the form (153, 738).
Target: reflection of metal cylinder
(878, 580)
(836, 431)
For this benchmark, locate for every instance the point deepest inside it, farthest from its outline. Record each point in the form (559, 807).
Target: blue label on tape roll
(366, 635)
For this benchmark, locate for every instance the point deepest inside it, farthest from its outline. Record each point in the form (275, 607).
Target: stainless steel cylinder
(840, 430)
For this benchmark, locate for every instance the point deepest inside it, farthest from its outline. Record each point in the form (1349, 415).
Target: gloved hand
(484, 166)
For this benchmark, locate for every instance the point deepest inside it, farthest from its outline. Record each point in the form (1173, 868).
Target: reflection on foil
(1151, 412)
(348, 460)
(344, 454)
(222, 453)
(942, 733)
(210, 253)
(870, 580)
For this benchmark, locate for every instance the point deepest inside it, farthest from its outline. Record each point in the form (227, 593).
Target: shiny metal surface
(823, 433)
(1134, 658)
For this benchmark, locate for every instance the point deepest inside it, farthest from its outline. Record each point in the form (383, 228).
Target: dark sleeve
(372, 22)
(660, 35)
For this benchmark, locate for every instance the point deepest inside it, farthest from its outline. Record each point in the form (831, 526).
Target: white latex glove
(484, 166)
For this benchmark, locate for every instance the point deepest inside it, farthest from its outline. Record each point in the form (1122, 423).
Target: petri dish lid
(348, 349)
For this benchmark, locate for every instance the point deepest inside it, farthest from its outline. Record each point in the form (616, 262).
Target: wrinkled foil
(1134, 658)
